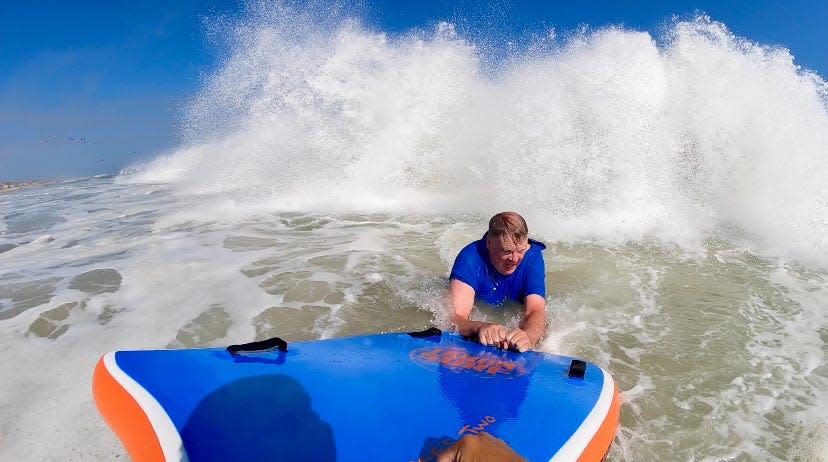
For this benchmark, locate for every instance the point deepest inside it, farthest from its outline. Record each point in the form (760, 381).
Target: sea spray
(611, 135)
(329, 173)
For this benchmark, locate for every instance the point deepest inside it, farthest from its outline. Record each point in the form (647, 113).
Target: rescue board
(382, 397)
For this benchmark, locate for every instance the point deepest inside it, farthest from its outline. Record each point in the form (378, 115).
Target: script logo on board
(484, 363)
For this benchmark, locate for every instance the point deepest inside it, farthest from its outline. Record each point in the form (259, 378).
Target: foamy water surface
(328, 174)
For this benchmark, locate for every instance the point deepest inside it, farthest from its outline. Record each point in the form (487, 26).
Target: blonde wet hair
(509, 224)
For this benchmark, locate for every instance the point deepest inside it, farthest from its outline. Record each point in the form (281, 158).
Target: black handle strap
(270, 344)
(577, 369)
(430, 332)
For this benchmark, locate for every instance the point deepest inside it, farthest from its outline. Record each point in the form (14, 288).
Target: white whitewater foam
(610, 135)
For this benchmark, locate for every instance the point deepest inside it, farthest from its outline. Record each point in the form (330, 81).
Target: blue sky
(89, 87)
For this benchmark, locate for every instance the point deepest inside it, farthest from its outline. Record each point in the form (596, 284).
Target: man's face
(505, 254)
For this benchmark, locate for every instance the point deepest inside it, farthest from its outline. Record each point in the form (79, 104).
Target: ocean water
(329, 173)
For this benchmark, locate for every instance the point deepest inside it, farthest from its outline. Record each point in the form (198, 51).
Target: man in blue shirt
(504, 264)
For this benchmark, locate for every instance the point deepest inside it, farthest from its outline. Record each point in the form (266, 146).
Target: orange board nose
(126, 418)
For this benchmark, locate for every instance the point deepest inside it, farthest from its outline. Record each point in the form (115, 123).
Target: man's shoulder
(469, 265)
(534, 256)
(471, 251)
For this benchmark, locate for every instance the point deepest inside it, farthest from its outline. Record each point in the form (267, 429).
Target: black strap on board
(270, 344)
(430, 332)
(577, 369)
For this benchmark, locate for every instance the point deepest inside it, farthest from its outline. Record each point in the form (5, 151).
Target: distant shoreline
(8, 186)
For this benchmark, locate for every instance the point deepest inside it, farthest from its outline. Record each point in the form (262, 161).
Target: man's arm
(532, 324)
(534, 317)
(462, 300)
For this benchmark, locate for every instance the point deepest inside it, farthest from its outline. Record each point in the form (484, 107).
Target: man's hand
(521, 339)
(492, 334)
(517, 339)
(495, 335)
(481, 447)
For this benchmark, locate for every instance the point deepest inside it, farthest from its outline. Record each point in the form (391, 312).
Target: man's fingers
(485, 338)
(521, 345)
(518, 340)
(492, 334)
(496, 335)
(514, 335)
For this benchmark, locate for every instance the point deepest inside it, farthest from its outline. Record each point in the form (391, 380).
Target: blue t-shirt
(473, 267)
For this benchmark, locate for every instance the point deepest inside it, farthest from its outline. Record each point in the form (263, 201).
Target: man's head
(507, 241)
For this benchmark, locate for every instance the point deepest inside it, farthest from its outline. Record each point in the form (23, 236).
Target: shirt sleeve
(536, 276)
(464, 268)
